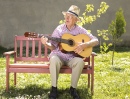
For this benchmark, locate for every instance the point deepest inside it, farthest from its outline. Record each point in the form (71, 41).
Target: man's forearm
(92, 43)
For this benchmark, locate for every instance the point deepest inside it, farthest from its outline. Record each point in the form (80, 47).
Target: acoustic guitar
(68, 42)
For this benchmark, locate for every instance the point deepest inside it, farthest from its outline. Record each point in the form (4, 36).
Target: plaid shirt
(59, 31)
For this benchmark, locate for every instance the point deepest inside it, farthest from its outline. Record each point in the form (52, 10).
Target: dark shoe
(53, 94)
(74, 93)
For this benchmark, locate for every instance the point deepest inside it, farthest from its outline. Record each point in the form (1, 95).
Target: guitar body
(76, 39)
(68, 42)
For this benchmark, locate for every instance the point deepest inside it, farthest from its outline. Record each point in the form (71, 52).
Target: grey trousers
(56, 63)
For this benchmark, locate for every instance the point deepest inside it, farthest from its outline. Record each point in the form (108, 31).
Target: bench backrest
(30, 49)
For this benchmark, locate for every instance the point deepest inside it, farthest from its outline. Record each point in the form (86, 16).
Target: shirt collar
(71, 28)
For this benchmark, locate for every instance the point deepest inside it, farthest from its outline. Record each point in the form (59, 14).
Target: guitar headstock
(31, 34)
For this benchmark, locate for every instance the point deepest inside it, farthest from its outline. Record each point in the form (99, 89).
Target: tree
(117, 29)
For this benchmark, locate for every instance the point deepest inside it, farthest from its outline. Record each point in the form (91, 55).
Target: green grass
(111, 82)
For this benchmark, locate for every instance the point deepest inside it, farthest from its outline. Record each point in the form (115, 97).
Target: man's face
(70, 19)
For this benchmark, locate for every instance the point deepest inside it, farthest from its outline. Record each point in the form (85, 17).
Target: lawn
(111, 82)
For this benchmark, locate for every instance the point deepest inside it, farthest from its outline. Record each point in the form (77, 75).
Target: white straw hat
(73, 10)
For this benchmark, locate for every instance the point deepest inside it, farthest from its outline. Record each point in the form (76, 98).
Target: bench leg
(14, 78)
(88, 80)
(7, 81)
(92, 84)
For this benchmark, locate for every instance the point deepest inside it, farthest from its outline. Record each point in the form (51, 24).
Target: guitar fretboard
(60, 40)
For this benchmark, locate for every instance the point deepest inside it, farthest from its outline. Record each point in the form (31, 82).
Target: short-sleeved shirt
(59, 31)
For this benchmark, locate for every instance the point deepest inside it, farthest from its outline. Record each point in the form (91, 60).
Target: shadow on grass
(39, 92)
(29, 92)
(117, 69)
(83, 92)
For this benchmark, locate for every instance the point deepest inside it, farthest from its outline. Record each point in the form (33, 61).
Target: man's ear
(76, 20)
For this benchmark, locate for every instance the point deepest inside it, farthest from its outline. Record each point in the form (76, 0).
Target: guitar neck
(60, 40)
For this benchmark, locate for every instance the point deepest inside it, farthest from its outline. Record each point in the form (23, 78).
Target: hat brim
(64, 13)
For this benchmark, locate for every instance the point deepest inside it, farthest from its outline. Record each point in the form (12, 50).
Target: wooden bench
(39, 56)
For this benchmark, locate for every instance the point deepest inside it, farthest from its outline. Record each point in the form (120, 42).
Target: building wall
(43, 16)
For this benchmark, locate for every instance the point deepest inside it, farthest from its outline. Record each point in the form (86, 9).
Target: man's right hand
(44, 40)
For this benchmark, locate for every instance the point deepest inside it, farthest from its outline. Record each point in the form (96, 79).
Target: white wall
(42, 16)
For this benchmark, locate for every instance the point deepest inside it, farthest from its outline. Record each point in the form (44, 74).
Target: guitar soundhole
(83, 42)
(71, 42)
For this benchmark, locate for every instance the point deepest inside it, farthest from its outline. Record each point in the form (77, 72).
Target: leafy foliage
(103, 37)
(120, 23)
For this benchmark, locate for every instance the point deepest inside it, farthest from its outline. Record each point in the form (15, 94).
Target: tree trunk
(114, 44)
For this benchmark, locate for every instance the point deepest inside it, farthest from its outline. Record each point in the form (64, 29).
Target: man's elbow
(96, 42)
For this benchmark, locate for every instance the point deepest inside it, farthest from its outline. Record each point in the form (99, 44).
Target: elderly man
(59, 58)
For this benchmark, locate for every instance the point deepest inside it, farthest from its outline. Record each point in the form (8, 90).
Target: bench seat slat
(45, 65)
(28, 65)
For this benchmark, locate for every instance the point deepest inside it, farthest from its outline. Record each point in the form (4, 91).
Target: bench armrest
(7, 56)
(9, 53)
(94, 54)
